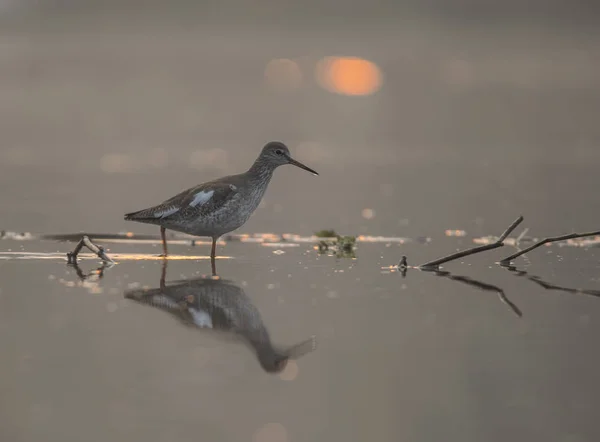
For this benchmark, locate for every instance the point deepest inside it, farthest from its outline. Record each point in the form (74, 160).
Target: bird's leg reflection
(163, 275)
(548, 286)
(482, 286)
(220, 305)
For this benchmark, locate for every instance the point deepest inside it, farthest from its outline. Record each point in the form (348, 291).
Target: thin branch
(506, 261)
(434, 265)
(483, 286)
(85, 241)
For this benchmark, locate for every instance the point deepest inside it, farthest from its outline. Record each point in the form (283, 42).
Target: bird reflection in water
(214, 303)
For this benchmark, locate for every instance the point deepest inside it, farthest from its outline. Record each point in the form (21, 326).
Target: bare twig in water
(434, 265)
(85, 241)
(506, 261)
(483, 286)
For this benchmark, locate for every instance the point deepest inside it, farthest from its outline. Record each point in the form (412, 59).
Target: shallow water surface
(420, 357)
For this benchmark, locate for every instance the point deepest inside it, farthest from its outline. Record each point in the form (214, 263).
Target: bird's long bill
(301, 166)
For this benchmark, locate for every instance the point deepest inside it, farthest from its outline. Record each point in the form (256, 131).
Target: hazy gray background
(486, 109)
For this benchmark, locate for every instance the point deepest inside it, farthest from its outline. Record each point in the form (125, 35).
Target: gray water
(101, 114)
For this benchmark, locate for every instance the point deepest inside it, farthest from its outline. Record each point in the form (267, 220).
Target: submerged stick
(506, 261)
(85, 241)
(434, 265)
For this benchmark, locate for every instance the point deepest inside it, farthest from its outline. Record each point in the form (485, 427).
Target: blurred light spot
(283, 74)
(290, 372)
(348, 75)
(209, 158)
(117, 163)
(368, 213)
(273, 432)
(278, 252)
(158, 158)
(455, 233)
(332, 294)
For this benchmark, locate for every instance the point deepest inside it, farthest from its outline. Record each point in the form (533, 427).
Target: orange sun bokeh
(349, 75)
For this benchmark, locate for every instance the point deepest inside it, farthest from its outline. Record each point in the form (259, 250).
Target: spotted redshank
(219, 206)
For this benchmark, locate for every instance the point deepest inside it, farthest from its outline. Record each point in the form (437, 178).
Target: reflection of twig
(548, 286)
(85, 241)
(99, 271)
(482, 286)
(434, 265)
(506, 261)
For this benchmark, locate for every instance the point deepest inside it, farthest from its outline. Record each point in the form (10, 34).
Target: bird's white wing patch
(201, 318)
(202, 197)
(166, 212)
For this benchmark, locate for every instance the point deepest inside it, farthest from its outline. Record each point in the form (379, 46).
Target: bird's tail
(133, 215)
(140, 215)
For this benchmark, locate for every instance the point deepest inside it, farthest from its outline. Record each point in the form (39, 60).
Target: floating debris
(279, 244)
(299, 239)
(23, 236)
(388, 239)
(117, 256)
(326, 233)
(582, 242)
(341, 246)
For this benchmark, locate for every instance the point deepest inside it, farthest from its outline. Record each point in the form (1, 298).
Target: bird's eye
(279, 152)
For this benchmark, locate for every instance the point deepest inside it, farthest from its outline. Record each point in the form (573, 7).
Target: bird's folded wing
(203, 198)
